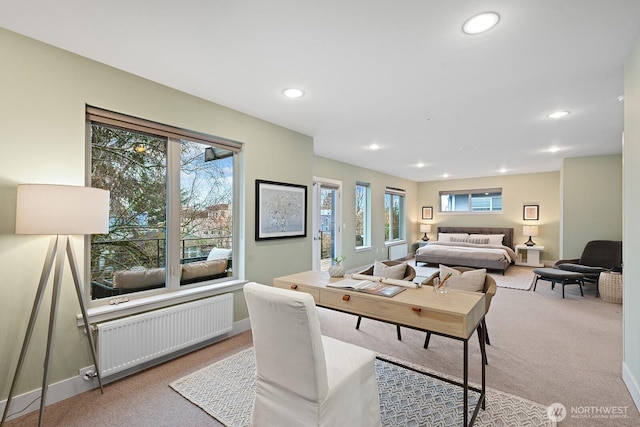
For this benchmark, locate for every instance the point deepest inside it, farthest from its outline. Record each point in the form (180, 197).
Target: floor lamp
(59, 210)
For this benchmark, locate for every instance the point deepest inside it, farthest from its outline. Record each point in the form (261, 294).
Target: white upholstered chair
(302, 377)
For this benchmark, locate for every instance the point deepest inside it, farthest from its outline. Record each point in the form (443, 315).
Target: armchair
(409, 275)
(302, 377)
(597, 256)
(489, 290)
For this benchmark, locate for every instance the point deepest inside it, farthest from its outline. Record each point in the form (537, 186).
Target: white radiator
(131, 341)
(398, 251)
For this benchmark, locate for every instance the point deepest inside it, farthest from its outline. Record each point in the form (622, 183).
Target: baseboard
(30, 401)
(632, 385)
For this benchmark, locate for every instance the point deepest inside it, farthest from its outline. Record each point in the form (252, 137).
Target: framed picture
(281, 210)
(530, 212)
(427, 212)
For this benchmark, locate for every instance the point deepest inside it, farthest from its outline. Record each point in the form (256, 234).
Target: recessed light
(503, 170)
(445, 175)
(558, 114)
(293, 93)
(553, 149)
(481, 23)
(420, 165)
(374, 147)
(621, 98)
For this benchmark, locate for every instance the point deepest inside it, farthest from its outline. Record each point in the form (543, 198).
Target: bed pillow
(494, 239)
(380, 269)
(446, 237)
(458, 239)
(478, 240)
(472, 280)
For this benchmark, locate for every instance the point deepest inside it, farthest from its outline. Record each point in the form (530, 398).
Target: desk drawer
(312, 290)
(399, 313)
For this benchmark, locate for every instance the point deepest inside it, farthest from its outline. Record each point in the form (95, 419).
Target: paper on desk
(405, 283)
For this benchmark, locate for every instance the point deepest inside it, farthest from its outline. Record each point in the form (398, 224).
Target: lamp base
(425, 238)
(530, 242)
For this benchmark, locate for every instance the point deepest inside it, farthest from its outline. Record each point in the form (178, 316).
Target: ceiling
(399, 74)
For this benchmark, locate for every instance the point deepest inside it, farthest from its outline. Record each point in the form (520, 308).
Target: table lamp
(425, 228)
(530, 230)
(58, 210)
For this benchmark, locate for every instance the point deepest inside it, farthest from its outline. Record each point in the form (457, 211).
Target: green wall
(349, 174)
(42, 140)
(541, 189)
(631, 228)
(591, 202)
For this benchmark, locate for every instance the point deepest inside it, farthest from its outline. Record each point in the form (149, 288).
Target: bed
(477, 247)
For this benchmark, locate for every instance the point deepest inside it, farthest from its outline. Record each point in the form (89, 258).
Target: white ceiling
(397, 73)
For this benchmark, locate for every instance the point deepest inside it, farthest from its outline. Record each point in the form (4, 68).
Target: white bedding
(468, 250)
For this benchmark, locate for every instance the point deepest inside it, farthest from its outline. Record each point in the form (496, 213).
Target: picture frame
(427, 212)
(281, 210)
(530, 212)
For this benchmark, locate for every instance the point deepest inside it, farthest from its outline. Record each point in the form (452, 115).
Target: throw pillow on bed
(380, 269)
(472, 280)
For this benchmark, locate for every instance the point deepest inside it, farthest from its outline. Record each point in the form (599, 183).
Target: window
(488, 200)
(363, 206)
(171, 219)
(394, 215)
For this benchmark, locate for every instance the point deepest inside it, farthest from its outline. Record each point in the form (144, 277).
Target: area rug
(516, 276)
(225, 390)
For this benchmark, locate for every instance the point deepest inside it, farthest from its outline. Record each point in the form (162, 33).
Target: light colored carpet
(516, 276)
(225, 390)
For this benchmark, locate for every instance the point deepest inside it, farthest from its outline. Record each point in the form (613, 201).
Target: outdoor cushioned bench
(555, 275)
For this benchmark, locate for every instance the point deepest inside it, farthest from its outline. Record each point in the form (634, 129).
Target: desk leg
(484, 358)
(465, 383)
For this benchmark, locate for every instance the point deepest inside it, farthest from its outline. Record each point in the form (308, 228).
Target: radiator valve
(90, 374)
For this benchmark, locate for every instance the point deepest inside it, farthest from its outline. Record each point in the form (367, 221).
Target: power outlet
(87, 373)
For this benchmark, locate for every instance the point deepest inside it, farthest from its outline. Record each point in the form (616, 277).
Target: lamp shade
(425, 228)
(61, 209)
(530, 230)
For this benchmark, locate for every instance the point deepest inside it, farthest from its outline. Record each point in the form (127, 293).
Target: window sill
(363, 249)
(139, 305)
(394, 243)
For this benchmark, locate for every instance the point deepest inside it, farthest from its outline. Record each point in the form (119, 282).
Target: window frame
(401, 195)
(470, 194)
(366, 215)
(173, 291)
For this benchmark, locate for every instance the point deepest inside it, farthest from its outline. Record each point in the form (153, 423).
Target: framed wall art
(281, 210)
(530, 213)
(427, 212)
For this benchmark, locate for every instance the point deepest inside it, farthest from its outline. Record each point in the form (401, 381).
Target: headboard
(507, 240)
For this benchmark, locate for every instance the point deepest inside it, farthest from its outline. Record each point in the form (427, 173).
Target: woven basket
(610, 287)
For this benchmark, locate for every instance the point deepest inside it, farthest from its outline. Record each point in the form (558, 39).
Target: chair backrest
(489, 289)
(409, 272)
(287, 340)
(602, 253)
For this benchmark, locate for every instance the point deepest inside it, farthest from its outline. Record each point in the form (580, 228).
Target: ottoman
(555, 275)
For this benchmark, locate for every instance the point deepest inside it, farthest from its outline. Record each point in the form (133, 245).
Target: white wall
(630, 226)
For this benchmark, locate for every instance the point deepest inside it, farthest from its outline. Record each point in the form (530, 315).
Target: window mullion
(173, 213)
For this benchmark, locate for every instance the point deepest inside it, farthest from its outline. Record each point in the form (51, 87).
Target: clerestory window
(172, 208)
(472, 201)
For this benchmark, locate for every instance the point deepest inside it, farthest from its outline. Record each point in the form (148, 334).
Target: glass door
(327, 229)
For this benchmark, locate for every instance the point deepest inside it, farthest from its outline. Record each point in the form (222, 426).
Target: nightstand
(532, 258)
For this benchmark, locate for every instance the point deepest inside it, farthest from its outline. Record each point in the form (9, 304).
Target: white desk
(533, 255)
